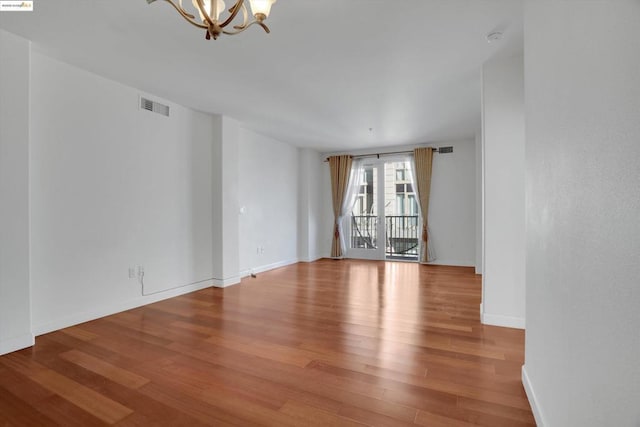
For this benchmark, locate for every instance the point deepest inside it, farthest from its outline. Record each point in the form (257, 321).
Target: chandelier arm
(264, 27)
(241, 28)
(234, 12)
(204, 13)
(181, 9)
(245, 17)
(231, 33)
(190, 18)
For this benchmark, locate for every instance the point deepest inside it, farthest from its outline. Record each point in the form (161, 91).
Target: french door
(384, 221)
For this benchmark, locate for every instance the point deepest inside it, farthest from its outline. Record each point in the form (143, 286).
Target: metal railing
(401, 234)
(364, 231)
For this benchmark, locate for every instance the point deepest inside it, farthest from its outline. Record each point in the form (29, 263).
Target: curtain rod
(361, 156)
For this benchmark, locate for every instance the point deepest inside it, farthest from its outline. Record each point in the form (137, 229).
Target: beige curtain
(340, 167)
(423, 158)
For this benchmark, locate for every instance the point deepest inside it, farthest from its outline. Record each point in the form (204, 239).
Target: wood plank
(100, 406)
(177, 400)
(16, 412)
(107, 370)
(94, 403)
(79, 333)
(311, 416)
(428, 419)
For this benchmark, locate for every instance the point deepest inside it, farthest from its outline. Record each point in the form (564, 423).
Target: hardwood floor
(320, 344)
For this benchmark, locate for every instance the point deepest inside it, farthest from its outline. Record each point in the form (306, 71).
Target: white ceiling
(329, 70)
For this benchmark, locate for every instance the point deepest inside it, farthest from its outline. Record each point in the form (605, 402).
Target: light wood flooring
(321, 344)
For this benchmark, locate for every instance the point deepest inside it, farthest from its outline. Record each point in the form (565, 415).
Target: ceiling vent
(155, 107)
(444, 150)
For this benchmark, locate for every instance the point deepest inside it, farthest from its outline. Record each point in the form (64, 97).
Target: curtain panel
(340, 169)
(423, 158)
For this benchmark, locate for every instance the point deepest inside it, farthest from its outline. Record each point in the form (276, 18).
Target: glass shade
(262, 7)
(208, 4)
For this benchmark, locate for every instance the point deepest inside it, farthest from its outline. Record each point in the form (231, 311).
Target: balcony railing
(401, 235)
(364, 232)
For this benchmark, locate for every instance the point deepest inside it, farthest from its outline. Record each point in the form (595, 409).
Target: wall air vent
(155, 107)
(444, 150)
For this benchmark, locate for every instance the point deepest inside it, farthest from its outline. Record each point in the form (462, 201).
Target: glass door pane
(364, 217)
(400, 212)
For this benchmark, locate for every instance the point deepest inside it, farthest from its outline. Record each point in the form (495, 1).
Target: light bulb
(261, 7)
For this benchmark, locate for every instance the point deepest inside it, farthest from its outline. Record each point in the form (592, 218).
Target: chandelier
(210, 11)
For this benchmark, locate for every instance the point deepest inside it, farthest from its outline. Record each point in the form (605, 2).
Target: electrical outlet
(261, 250)
(140, 270)
(132, 273)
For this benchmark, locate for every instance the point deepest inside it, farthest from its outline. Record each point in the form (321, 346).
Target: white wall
(15, 311)
(311, 231)
(451, 206)
(479, 203)
(268, 191)
(225, 172)
(503, 280)
(112, 186)
(582, 66)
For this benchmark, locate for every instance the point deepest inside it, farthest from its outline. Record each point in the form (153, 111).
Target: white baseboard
(17, 343)
(311, 259)
(533, 400)
(108, 310)
(223, 283)
(267, 267)
(451, 263)
(504, 321)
